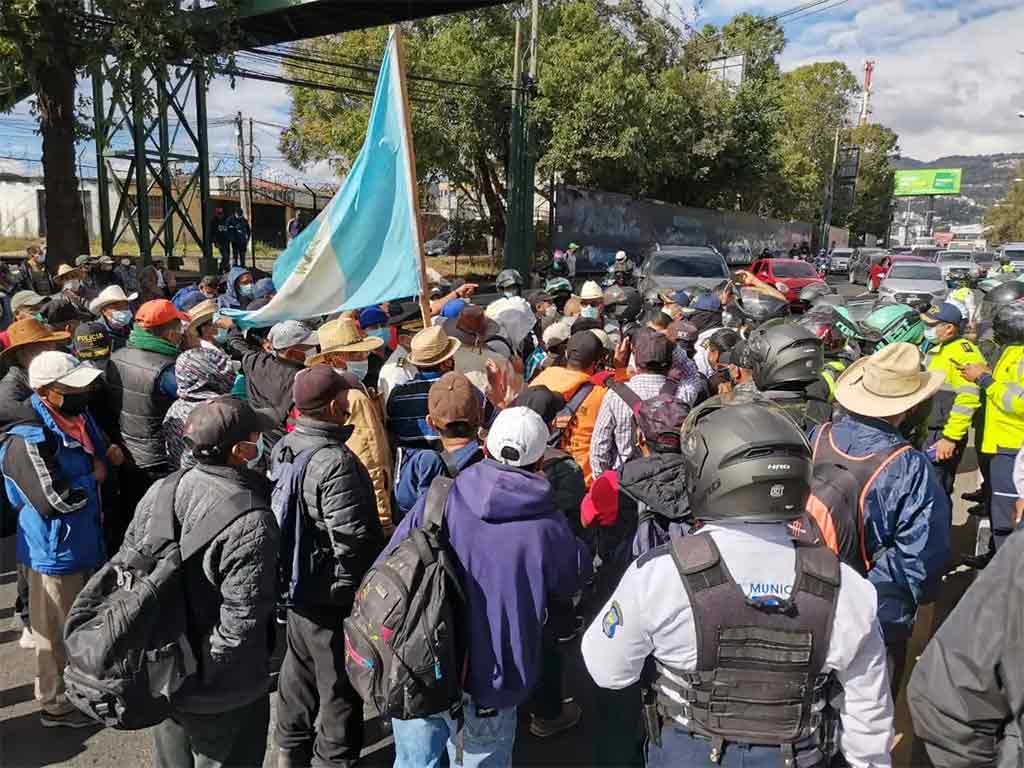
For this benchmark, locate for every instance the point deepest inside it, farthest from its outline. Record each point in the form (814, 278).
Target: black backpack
(127, 634)
(835, 508)
(405, 652)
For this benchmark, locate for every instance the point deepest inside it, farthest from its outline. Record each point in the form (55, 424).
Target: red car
(789, 276)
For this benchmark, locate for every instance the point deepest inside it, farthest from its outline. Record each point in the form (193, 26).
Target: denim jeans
(487, 741)
(680, 749)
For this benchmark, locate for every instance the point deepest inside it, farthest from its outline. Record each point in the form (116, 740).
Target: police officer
(963, 297)
(737, 616)
(1004, 415)
(621, 271)
(954, 405)
(510, 283)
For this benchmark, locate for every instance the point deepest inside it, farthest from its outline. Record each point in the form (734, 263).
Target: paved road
(25, 744)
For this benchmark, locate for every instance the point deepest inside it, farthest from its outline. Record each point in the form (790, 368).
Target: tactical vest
(133, 380)
(759, 678)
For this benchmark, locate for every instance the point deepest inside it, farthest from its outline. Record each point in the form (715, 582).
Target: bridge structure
(164, 111)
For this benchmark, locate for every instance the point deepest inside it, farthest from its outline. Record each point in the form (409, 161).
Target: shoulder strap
(437, 498)
(629, 397)
(701, 568)
(211, 525)
(449, 463)
(568, 412)
(818, 576)
(164, 526)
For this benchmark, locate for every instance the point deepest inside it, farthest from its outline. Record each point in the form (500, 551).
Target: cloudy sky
(949, 78)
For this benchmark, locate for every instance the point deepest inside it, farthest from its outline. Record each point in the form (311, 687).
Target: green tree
(872, 208)
(46, 44)
(1007, 216)
(815, 101)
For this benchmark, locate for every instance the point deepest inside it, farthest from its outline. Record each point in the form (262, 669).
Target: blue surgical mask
(358, 368)
(121, 318)
(254, 463)
(384, 334)
(222, 336)
(590, 312)
(511, 294)
(246, 290)
(931, 335)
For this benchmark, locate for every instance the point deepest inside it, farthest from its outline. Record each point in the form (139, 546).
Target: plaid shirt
(614, 440)
(691, 382)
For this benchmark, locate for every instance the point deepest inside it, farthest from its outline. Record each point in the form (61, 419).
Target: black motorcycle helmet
(1007, 293)
(786, 356)
(509, 278)
(746, 461)
(1008, 324)
(623, 303)
(760, 307)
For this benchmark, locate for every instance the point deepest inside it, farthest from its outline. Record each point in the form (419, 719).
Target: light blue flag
(361, 249)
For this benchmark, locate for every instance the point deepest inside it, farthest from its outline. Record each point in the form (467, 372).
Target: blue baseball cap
(453, 308)
(682, 298)
(372, 316)
(944, 313)
(709, 302)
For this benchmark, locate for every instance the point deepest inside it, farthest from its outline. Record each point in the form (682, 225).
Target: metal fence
(603, 222)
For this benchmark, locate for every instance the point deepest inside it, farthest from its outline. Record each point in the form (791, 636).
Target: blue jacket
(230, 299)
(517, 553)
(49, 476)
(421, 466)
(907, 520)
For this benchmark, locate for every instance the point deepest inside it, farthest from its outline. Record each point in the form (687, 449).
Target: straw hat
(431, 347)
(202, 312)
(112, 294)
(66, 272)
(343, 335)
(30, 331)
(887, 383)
(591, 291)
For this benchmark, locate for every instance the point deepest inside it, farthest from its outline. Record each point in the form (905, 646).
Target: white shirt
(700, 356)
(654, 618)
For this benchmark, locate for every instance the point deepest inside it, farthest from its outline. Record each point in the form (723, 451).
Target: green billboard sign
(944, 181)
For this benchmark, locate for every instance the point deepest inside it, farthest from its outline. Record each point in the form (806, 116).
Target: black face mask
(74, 404)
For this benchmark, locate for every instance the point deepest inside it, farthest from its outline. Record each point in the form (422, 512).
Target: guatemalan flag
(362, 248)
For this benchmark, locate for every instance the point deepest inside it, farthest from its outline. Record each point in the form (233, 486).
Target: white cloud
(947, 84)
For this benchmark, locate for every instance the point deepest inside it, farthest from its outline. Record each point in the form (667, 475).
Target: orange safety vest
(575, 437)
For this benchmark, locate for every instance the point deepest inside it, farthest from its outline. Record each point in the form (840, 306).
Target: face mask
(931, 335)
(121, 318)
(549, 312)
(40, 317)
(358, 368)
(510, 294)
(222, 336)
(384, 334)
(74, 404)
(589, 312)
(73, 285)
(255, 462)
(246, 290)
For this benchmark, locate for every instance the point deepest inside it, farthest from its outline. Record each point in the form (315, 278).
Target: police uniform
(964, 300)
(954, 406)
(650, 615)
(1003, 436)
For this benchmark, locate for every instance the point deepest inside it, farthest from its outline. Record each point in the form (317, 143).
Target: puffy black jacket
(339, 494)
(14, 395)
(966, 695)
(268, 381)
(133, 381)
(230, 588)
(567, 486)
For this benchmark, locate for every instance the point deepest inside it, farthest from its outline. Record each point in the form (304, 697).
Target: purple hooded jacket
(516, 550)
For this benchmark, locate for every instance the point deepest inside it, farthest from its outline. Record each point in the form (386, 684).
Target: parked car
(440, 245)
(789, 276)
(1015, 253)
(839, 261)
(682, 266)
(985, 260)
(916, 283)
(956, 264)
(860, 267)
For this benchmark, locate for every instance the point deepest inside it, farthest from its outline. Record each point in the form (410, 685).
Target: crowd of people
(733, 512)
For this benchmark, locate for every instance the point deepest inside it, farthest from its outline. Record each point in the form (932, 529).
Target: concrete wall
(19, 207)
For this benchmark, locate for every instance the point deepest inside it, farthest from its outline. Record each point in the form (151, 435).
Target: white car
(916, 284)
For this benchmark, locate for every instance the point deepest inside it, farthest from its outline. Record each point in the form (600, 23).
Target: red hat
(158, 312)
(601, 504)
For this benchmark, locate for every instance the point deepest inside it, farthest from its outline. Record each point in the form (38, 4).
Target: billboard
(944, 181)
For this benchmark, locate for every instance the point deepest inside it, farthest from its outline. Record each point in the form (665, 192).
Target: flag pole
(410, 157)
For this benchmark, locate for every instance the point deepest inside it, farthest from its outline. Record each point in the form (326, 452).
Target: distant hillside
(986, 179)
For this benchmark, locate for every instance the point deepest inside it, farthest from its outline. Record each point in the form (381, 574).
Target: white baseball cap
(620, 256)
(518, 437)
(60, 368)
(291, 333)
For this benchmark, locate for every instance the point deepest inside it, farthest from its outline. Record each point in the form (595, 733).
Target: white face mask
(590, 312)
(73, 285)
(358, 368)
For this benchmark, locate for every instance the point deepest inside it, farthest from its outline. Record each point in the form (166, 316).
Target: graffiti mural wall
(604, 222)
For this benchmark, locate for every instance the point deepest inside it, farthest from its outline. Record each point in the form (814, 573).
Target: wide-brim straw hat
(343, 335)
(112, 294)
(30, 331)
(202, 312)
(888, 383)
(431, 347)
(66, 272)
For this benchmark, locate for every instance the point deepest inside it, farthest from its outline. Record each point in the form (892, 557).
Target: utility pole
(252, 239)
(826, 221)
(243, 177)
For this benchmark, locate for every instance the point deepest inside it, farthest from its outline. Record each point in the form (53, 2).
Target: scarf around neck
(143, 339)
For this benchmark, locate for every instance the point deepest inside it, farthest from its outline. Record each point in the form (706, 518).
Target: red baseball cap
(158, 312)
(601, 504)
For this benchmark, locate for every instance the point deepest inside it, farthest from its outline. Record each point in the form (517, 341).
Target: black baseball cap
(315, 387)
(652, 350)
(583, 348)
(91, 341)
(541, 401)
(218, 425)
